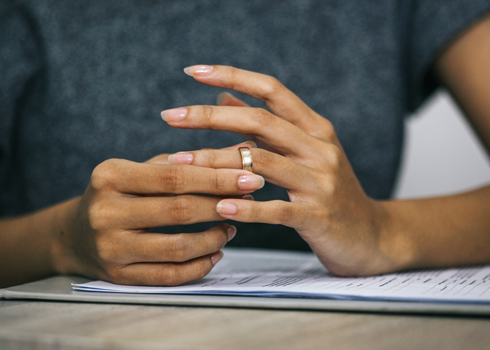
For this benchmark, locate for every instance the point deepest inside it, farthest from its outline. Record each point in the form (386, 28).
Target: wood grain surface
(59, 325)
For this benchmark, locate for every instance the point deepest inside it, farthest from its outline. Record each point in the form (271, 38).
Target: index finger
(280, 100)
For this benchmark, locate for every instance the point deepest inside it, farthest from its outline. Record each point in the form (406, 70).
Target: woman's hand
(107, 236)
(328, 207)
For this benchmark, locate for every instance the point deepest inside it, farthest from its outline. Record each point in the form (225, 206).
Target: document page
(273, 273)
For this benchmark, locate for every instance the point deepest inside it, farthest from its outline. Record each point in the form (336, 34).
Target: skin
(351, 234)
(104, 233)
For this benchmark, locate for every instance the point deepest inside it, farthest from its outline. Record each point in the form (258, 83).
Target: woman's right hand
(106, 234)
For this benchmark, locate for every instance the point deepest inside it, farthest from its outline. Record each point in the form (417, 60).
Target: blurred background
(442, 154)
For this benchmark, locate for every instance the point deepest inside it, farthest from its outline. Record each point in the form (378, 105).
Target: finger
(134, 247)
(144, 178)
(160, 159)
(163, 158)
(227, 99)
(186, 158)
(257, 123)
(144, 212)
(271, 212)
(166, 274)
(273, 167)
(280, 100)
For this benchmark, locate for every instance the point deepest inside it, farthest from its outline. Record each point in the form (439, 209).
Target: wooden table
(62, 325)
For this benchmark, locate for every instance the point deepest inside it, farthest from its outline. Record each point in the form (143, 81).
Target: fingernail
(174, 114)
(180, 158)
(231, 231)
(222, 96)
(198, 70)
(251, 182)
(216, 257)
(248, 197)
(226, 208)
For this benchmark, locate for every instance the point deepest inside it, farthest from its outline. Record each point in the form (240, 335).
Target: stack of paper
(259, 273)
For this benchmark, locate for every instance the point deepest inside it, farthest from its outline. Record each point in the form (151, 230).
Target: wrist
(394, 241)
(63, 258)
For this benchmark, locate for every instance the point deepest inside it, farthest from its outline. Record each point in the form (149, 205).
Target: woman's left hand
(328, 207)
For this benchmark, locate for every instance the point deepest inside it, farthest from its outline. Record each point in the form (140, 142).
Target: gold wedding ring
(246, 154)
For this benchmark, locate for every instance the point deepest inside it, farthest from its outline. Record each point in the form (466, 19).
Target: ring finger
(275, 168)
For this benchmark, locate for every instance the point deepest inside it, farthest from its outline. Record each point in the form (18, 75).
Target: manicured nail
(198, 70)
(222, 96)
(251, 182)
(180, 158)
(248, 197)
(174, 114)
(231, 231)
(226, 208)
(216, 257)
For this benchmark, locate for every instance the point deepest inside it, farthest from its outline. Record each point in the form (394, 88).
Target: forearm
(438, 232)
(29, 245)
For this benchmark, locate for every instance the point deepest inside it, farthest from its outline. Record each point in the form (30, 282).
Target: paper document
(272, 273)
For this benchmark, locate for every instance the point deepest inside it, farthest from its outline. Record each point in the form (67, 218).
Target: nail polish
(222, 96)
(231, 231)
(175, 114)
(198, 70)
(251, 182)
(226, 208)
(180, 158)
(216, 257)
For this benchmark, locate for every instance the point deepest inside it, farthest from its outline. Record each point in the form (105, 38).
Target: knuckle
(260, 118)
(328, 185)
(178, 248)
(233, 78)
(220, 182)
(182, 209)
(328, 128)
(324, 130)
(212, 158)
(106, 251)
(174, 179)
(99, 216)
(272, 86)
(171, 277)
(333, 157)
(208, 115)
(104, 174)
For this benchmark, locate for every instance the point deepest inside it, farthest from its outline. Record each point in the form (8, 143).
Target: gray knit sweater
(84, 81)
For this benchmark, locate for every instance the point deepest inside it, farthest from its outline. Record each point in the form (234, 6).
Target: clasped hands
(109, 234)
